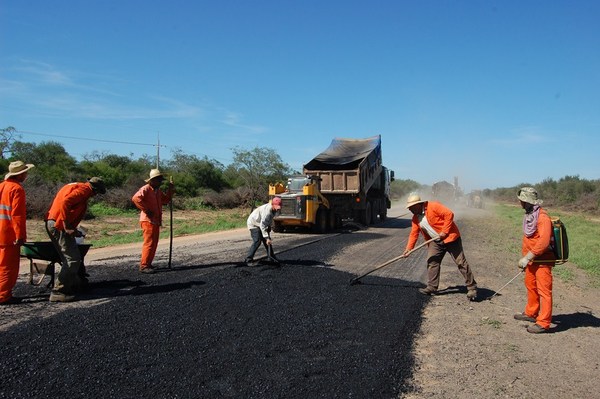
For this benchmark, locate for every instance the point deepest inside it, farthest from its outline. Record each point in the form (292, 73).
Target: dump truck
(346, 182)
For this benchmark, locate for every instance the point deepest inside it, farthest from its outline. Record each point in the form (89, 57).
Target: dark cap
(97, 185)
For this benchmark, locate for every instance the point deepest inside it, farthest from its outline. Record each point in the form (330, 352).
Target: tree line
(570, 193)
(200, 182)
(204, 182)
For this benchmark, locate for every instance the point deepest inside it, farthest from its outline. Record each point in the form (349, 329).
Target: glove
(524, 261)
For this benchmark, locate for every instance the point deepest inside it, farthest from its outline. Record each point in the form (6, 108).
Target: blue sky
(498, 93)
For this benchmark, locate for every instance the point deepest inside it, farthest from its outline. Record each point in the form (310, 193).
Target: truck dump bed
(348, 165)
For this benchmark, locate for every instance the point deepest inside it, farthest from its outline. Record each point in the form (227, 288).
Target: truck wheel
(321, 222)
(338, 222)
(331, 220)
(383, 215)
(374, 213)
(277, 227)
(366, 216)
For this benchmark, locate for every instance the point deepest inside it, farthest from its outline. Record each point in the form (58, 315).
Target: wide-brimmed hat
(413, 199)
(529, 195)
(97, 185)
(17, 167)
(154, 173)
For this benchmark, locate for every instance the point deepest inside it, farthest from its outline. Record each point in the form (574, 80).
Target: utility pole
(157, 150)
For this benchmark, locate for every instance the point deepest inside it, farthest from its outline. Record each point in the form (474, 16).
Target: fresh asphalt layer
(210, 328)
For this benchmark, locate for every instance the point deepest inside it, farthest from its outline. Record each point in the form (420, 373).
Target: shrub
(39, 196)
(227, 199)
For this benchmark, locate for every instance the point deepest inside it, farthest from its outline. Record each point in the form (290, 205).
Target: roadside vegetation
(583, 233)
(211, 196)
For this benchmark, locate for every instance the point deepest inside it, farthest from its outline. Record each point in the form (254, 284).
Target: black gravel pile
(297, 331)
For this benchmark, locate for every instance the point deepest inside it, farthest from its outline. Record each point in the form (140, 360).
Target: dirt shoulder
(477, 350)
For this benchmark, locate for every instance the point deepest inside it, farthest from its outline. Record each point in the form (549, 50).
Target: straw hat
(529, 195)
(154, 173)
(413, 199)
(17, 167)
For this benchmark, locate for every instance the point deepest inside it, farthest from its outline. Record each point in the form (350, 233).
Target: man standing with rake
(149, 199)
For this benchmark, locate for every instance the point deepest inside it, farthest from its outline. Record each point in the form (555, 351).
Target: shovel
(271, 255)
(355, 279)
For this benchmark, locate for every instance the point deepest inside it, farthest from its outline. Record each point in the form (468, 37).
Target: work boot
(57, 296)
(536, 329)
(524, 317)
(428, 290)
(472, 294)
(147, 270)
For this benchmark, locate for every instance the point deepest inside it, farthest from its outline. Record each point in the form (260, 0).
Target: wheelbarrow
(45, 251)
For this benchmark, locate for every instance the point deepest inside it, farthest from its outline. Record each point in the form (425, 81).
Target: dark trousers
(72, 275)
(257, 239)
(435, 254)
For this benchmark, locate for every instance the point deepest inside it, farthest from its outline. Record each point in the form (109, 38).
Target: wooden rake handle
(355, 279)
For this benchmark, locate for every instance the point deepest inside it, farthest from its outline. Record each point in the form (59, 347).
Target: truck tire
(383, 214)
(277, 227)
(374, 213)
(321, 222)
(366, 214)
(331, 220)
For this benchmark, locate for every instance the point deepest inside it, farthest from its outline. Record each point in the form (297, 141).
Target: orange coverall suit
(441, 219)
(12, 228)
(538, 273)
(67, 211)
(150, 201)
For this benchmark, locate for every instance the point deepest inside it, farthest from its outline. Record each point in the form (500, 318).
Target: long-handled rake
(171, 226)
(355, 279)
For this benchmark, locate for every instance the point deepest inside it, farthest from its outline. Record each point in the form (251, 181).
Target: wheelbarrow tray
(45, 250)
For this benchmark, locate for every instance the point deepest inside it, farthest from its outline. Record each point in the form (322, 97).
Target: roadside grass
(491, 322)
(583, 233)
(111, 226)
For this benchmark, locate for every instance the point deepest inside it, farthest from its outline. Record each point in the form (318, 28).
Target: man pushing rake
(434, 220)
(441, 234)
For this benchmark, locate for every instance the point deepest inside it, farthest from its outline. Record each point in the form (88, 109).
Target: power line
(116, 142)
(85, 138)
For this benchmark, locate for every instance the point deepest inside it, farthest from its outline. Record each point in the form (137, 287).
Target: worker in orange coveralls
(65, 214)
(537, 261)
(434, 220)
(13, 232)
(149, 199)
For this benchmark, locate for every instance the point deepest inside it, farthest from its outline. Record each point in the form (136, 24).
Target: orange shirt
(440, 218)
(12, 212)
(69, 205)
(539, 242)
(148, 199)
